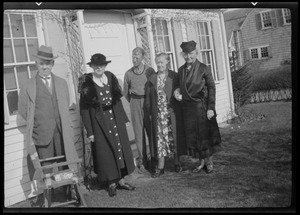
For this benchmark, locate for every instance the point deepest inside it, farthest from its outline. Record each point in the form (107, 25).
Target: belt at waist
(107, 107)
(136, 96)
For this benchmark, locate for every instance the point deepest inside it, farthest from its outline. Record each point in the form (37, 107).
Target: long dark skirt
(202, 135)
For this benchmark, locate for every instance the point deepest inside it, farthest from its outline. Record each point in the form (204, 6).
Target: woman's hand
(210, 114)
(177, 94)
(91, 138)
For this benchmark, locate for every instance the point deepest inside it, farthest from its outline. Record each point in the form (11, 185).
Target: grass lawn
(254, 170)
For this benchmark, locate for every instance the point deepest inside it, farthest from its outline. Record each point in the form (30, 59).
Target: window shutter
(269, 51)
(279, 17)
(246, 56)
(273, 18)
(258, 22)
(6, 111)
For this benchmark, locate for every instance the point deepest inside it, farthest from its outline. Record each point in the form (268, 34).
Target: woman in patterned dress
(105, 121)
(165, 115)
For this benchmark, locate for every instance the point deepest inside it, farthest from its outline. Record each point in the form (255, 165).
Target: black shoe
(125, 186)
(112, 190)
(209, 168)
(178, 168)
(158, 172)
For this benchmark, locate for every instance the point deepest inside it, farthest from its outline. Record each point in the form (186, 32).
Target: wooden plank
(16, 173)
(18, 138)
(19, 189)
(12, 132)
(17, 164)
(16, 181)
(10, 157)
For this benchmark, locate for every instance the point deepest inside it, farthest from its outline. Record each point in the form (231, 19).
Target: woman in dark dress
(197, 92)
(105, 121)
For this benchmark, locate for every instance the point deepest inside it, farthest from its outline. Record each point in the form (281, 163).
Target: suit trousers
(53, 149)
(140, 127)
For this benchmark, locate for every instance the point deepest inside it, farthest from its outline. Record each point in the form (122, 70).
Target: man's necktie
(47, 81)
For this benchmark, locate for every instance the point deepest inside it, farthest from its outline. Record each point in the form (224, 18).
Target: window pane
(200, 44)
(22, 75)
(208, 54)
(204, 57)
(12, 100)
(205, 28)
(6, 32)
(165, 27)
(10, 79)
(254, 53)
(201, 28)
(33, 70)
(20, 50)
(161, 44)
(158, 27)
(7, 51)
(207, 42)
(264, 52)
(16, 25)
(155, 44)
(203, 42)
(167, 44)
(32, 47)
(30, 26)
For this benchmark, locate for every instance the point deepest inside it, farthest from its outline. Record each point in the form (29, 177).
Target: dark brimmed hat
(188, 46)
(98, 60)
(45, 53)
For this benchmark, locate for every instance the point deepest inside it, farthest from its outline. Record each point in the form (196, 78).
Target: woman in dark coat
(197, 95)
(105, 121)
(165, 116)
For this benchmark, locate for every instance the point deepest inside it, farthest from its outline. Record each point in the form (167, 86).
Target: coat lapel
(31, 90)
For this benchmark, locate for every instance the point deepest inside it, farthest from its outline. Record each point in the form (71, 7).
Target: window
(20, 41)
(259, 52)
(266, 19)
(206, 47)
(286, 16)
(162, 39)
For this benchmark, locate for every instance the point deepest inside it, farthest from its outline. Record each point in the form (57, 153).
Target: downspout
(227, 72)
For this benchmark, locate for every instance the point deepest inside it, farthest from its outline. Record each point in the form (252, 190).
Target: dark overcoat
(104, 151)
(198, 91)
(174, 108)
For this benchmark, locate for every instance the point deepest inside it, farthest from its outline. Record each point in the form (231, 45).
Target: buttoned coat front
(26, 109)
(104, 151)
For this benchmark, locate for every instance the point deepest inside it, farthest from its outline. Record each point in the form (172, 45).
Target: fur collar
(87, 89)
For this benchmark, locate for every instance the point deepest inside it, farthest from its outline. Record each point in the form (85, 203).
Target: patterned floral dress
(165, 140)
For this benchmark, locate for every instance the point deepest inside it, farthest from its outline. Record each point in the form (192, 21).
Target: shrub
(280, 78)
(241, 86)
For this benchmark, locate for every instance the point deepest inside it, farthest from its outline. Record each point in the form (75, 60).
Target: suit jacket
(26, 108)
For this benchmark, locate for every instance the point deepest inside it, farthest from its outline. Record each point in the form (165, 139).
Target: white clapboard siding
(222, 101)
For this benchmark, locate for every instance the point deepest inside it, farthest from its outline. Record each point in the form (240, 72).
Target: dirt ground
(253, 171)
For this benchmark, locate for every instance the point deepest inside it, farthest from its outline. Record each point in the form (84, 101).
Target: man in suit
(44, 104)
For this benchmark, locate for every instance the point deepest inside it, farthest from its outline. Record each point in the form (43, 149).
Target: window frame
(12, 122)
(173, 63)
(258, 48)
(284, 16)
(211, 51)
(262, 20)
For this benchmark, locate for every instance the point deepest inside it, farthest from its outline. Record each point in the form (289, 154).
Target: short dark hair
(139, 49)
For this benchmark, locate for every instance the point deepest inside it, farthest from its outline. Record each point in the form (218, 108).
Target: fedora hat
(188, 46)
(98, 60)
(45, 53)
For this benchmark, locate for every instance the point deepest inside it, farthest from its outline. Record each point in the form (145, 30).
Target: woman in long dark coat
(105, 121)
(197, 94)
(165, 116)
